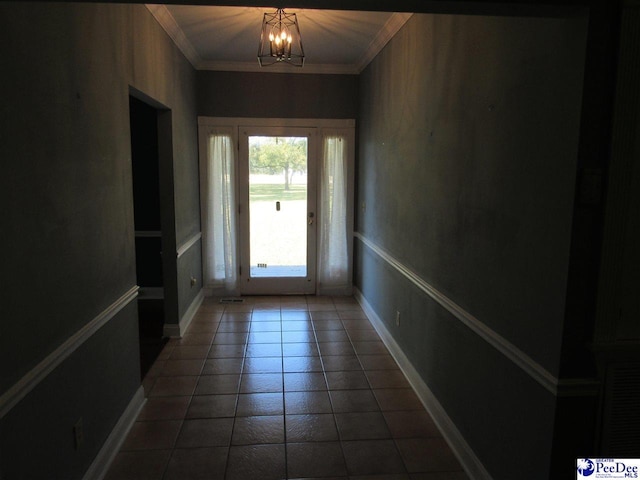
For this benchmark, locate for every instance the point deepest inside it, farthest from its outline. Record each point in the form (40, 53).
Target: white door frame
(239, 123)
(276, 285)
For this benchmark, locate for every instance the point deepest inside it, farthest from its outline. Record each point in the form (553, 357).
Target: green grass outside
(266, 192)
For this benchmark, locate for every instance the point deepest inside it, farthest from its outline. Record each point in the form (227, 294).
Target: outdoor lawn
(278, 238)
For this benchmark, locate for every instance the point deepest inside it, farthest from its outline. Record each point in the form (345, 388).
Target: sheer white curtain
(333, 261)
(219, 213)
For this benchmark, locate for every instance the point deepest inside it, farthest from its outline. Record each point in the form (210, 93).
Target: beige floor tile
(364, 336)
(174, 386)
(265, 337)
(352, 314)
(212, 406)
(264, 350)
(258, 430)
(370, 348)
(261, 383)
(351, 325)
(202, 327)
(222, 366)
(311, 428)
(307, 402)
(353, 401)
(321, 459)
(397, 399)
(341, 363)
(325, 400)
(154, 435)
(165, 408)
(378, 362)
(236, 317)
(252, 404)
(297, 326)
(301, 364)
(387, 379)
(304, 382)
(189, 352)
(230, 338)
(336, 348)
(205, 432)
(230, 326)
(332, 336)
(142, 465)
(227, 351)
(197, 464)
(362, 426)
(264, 462)
(300, 350)
(217, 384)
(367, 457)
(298, 337)
(411, 424)
(263, 365)
(350, 380)
(326, 325)
(266, 327)
(291, 314)
(331, 314)
(191, 339)
(173, 368)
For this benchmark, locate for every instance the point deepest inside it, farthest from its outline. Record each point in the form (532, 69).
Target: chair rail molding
(28, 382)
(559, 387)
(191, 241)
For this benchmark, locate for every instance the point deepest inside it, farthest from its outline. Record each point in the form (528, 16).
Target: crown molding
(327, 69)
(163, 16)
(386, 33)
(168, 23)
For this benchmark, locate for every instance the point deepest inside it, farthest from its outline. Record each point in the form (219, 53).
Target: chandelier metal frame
(280, 40)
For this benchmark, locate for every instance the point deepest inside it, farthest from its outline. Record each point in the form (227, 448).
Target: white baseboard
(176, 331)
(468, 459)
(109, 450)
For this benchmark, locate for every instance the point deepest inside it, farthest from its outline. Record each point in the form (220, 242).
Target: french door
(277, 210)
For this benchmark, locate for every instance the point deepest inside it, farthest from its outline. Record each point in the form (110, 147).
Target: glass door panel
(278, 197)
(277, 211)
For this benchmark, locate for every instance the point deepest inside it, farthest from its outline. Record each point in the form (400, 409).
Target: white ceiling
(226, 38)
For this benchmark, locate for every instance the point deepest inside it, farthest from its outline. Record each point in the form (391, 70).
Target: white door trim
(249, 285)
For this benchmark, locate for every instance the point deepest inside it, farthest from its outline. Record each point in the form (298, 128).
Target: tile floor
(281, 387)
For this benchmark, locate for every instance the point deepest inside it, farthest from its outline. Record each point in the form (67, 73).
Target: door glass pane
(278, 206)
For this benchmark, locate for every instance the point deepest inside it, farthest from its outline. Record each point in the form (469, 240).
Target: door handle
(277, 206)
(310, 218)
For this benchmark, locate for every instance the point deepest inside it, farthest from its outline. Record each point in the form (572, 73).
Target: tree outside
(278, 155)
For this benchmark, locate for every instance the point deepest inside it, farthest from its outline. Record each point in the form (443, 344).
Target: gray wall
(277, 95)
(67, 216)
(468, 144)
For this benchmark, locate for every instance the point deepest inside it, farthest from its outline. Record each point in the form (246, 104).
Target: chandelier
(280, 40)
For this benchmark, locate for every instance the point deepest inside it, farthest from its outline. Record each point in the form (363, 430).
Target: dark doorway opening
(148, 230)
